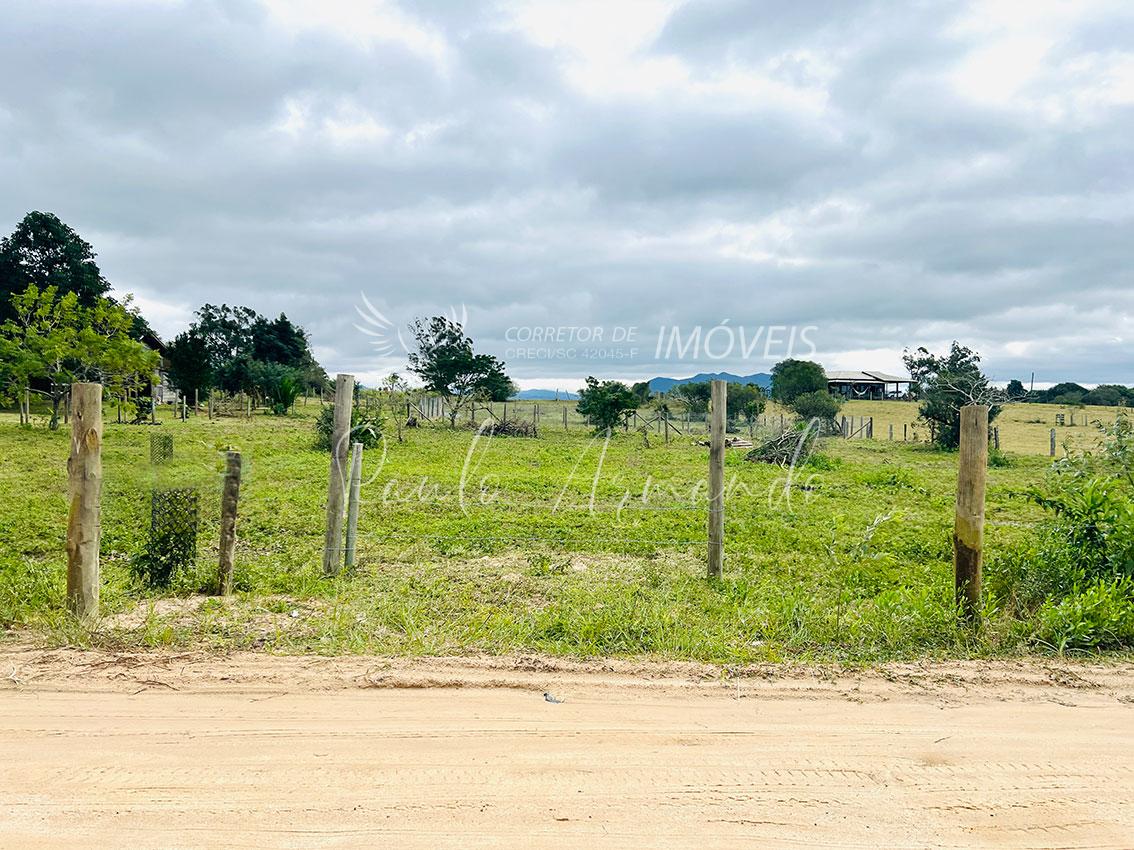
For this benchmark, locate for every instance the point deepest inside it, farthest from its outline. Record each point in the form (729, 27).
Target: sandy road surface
(250, 751)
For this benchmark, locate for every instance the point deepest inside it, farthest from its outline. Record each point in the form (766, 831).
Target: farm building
(867, 385)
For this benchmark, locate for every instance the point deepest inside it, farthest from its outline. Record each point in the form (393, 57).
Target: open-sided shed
(867, 385)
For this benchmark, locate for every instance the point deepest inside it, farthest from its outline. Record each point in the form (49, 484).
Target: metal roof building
(866, 384)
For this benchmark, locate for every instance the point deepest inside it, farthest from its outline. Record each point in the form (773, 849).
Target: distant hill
(664, 385)
(546, 395)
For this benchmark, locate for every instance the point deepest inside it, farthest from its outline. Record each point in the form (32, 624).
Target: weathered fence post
(1051, 450)
(891, 432)
(352, 504)
(905, 432)
(332, 544)
(996, 438)
(564, 418)
(968, 530)
(84, 471)
(230, 497)
(716, 477)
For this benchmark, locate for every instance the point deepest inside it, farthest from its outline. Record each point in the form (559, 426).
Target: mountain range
(657, 385)
(664, 385)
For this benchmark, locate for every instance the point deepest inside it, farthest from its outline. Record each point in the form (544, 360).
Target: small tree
(945, 384)
(1016, 390)
(604, 403)
(793, 378)
(446, 362)
(745, 401)
(693, 397)
(57, 340)
(818, 404)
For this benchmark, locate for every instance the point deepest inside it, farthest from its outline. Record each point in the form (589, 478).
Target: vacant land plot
(564, 544)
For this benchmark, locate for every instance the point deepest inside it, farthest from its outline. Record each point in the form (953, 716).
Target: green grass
(504, 572)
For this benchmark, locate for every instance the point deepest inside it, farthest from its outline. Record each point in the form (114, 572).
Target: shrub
(1099, 617)
(507, 428)
(792, 378)
(364, 428)
(819, 404)
(604, 403)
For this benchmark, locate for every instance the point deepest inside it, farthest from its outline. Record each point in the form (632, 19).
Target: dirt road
(173, 751)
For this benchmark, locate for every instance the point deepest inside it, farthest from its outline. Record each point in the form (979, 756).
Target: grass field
(562, 544)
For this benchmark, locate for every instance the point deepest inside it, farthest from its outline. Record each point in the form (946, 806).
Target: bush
(364, 428)
(1099, 617)
(508, 428)
(604, 403)
(819, 404)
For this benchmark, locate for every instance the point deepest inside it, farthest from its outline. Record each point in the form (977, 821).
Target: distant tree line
(1070, 393)
(236, 350)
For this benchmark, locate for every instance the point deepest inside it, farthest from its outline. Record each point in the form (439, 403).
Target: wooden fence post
(352, 504)
(1051, 450)
(332, 543)
(891, 432)
(229, 499)
(564, 418)
(996, 438)
(716, 477)
(84, 471)
(968, 530)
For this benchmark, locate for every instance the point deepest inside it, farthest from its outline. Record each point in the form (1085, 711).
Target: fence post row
(84, 472)
(229, 500)
(968, 529)
(332, 543)
(719, 396)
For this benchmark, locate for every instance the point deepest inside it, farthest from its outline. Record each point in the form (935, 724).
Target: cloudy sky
(874, 174)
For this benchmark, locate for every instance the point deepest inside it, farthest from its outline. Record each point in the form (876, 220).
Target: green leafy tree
(792, 378)
(693, 397)
(945, 384)
(604, 403)
(1015, 390)
(44, 252)
(817, 404)
(1107, 395)
(447, 364)
(190, 369)
(1067, 392)
(53, 340)
(745, 401)
(232, 348)
(642, 390)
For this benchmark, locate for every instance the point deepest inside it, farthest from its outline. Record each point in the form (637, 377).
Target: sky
(626, 188)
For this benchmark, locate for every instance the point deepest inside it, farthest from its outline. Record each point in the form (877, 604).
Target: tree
(190, 369)
(817, 404)
(446, 362)
(55, 340)
(694, 396)
(232, 348)
(1015, 390)
(603, 404)
(792, 378)
(947, 383)
(642, 390)
(44, 252)
(745, 401)
(1106, 395)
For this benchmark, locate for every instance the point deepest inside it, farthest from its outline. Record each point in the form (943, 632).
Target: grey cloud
(896, 212)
